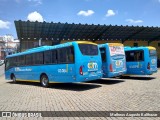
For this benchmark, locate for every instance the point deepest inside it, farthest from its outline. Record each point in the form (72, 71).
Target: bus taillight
(81, 70)
(148, 66)
(111, 68)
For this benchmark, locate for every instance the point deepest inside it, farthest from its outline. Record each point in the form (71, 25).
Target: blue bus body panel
(119, 66)
(153, 64)
(55, 73)
(65, 73)
(136, 68)
(89, 73)
(118, 63)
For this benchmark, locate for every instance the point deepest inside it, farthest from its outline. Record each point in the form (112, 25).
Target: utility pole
(40, 41)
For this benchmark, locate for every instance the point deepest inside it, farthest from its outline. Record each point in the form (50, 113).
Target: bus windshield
(116, 50)
(88, 49)
(152, 53)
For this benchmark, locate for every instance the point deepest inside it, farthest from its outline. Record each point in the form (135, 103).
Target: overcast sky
(114, 12)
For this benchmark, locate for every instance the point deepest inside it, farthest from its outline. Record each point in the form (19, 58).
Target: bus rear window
(134, 56)
(88, 49)
(152, 53)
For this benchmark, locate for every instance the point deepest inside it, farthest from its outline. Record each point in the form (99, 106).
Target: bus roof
(86, 42)
(139, 48)
(151, 48)
(42, 48)
(110, 44)
(115, 44)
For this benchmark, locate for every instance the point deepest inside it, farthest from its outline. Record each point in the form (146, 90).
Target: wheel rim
(44, 81)
(14, 79)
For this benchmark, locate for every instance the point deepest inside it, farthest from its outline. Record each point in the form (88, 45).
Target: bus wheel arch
(44, 80)
(13, 78)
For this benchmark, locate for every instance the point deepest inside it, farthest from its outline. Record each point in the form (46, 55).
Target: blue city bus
(141, 60)
(113, 59)
(78, 61)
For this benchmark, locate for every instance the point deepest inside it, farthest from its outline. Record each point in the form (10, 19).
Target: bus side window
(65, 55)
(54, 56)
(62, 55)
(11, 62)
(70, 54)
(140, 56)
(16, 61)
(48, 57)
(38, 58)
(29, 60)
(21, 60)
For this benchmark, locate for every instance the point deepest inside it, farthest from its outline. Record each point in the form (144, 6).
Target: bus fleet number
(62, 70)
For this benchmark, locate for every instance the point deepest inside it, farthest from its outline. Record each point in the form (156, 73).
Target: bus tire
(13, 78)
(44, 81)
(123, 77)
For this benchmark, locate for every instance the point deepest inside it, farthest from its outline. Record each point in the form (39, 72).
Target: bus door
(117, 59)
(104, 60)
(135, 62)
(152, 60)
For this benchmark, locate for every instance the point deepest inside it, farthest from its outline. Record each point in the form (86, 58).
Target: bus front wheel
(13, 78)
(44, 81)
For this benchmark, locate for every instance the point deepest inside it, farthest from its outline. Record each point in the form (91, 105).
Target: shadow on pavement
(106, 81)
(138, 78)
(74, 86)
(25, 83)
(63, 86)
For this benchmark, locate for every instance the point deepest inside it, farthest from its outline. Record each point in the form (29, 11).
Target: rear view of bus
(88, 61)
(152, 61)
(113, 59)
(141, 60)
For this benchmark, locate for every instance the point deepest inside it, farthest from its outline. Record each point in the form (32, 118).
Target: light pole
(7, 46)
(40, 41)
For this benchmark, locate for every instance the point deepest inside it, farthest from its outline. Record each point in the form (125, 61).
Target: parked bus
(141, 60)
(66, 63)
(113, 59)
